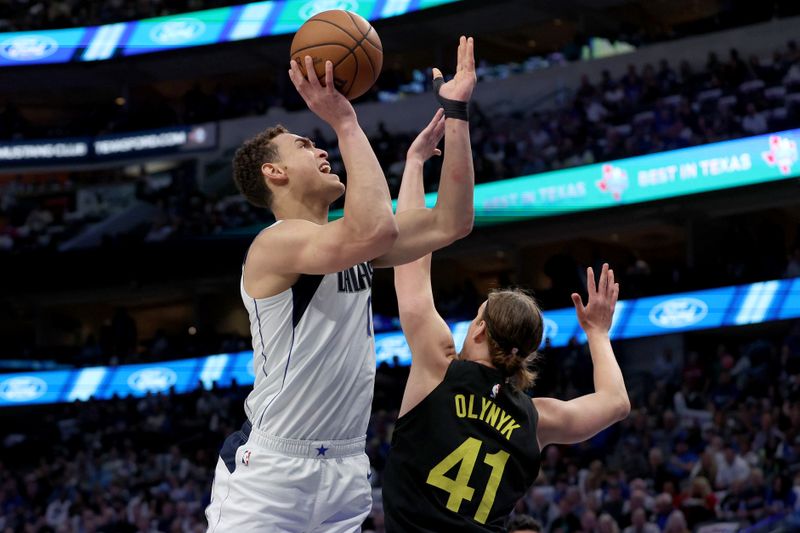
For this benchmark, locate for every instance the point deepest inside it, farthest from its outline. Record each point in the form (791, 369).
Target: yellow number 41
(459, 488)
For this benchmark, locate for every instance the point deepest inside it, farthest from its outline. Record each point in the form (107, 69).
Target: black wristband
(452, 108)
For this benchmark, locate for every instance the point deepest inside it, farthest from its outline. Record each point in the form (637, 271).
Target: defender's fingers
(603, 280)
(437, 117)
(590, 284)
(437, 73)
(610, 287)
(438, 130)
(577, 302)
(437, 152)
(470, 55)
(462, 48)
(311, 74)
(614, 298)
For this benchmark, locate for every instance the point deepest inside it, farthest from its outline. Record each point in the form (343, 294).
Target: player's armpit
(421, 231)
(577, 420)
(428, 337)
(303, 247)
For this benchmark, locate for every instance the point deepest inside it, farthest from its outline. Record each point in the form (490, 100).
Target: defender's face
(307, 168)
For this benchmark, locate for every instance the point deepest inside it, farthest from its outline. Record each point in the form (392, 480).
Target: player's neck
(317, 213)
(478, 356)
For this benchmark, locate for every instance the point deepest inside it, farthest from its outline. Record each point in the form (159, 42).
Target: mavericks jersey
(313, 357)
(463, 456)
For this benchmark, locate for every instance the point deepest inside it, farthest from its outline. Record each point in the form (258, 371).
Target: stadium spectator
(144, 463)
(731, 468)
(639, 523)
(676, 523)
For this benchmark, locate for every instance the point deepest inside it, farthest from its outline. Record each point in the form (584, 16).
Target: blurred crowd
(48, 212)
(17, 15)
(714, 436)
(647, 110)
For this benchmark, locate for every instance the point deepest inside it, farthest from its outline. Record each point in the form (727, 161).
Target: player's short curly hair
(247, 164)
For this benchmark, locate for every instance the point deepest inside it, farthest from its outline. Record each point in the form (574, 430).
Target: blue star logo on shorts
(321, 450)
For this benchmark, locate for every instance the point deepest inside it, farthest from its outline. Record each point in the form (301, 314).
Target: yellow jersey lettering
(461, 406)
(491, 418)
(511, 426)
(485, 405)
(470, 412)
(504, 417)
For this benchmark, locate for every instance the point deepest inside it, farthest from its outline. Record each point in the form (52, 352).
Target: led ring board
(643, 317)
(197, 28)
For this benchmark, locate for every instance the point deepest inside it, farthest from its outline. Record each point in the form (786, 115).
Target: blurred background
(659, 136)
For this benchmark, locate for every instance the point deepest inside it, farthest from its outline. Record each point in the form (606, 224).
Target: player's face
(307, 168)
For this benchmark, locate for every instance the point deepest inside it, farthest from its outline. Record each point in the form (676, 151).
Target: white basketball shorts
(267, 484)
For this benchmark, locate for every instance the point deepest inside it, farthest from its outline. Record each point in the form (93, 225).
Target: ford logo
(678, 312)
(155, 379)
(22, 389)
(309, 9)
(28, 48)
(550, 329)
(177, 31)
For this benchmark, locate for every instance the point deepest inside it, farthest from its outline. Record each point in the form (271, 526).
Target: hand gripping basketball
(455, 94)
(325, 101)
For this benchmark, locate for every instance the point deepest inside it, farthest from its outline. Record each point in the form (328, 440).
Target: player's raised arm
(579, 419)
(368, 228)
(425, 230)
(426, 332)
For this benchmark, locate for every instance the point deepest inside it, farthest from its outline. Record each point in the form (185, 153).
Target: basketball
(349, 42)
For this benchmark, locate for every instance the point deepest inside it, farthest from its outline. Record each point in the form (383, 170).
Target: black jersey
(462, 457)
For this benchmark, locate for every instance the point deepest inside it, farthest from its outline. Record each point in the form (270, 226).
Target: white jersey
(313, 357)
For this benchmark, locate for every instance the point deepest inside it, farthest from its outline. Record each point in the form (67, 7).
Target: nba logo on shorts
(246, 458)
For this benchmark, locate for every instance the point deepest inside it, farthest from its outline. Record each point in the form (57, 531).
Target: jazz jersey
(463, 456)
(313, 357)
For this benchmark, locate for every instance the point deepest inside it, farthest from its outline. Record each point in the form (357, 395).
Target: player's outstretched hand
(325, 101)
(424, 146)
(461, 86)
(595, 316)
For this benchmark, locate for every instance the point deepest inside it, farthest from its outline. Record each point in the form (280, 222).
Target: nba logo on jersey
(495, 391)
(246, 458)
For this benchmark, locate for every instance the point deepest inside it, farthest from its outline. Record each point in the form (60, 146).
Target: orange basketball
(349, 42)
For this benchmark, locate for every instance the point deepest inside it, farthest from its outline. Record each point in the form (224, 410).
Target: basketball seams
(344, 30)
(315, 45)
(351, 50)
(355, 23)
(375, 46)
(369, 61)
(355, 74)
(364, 35)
